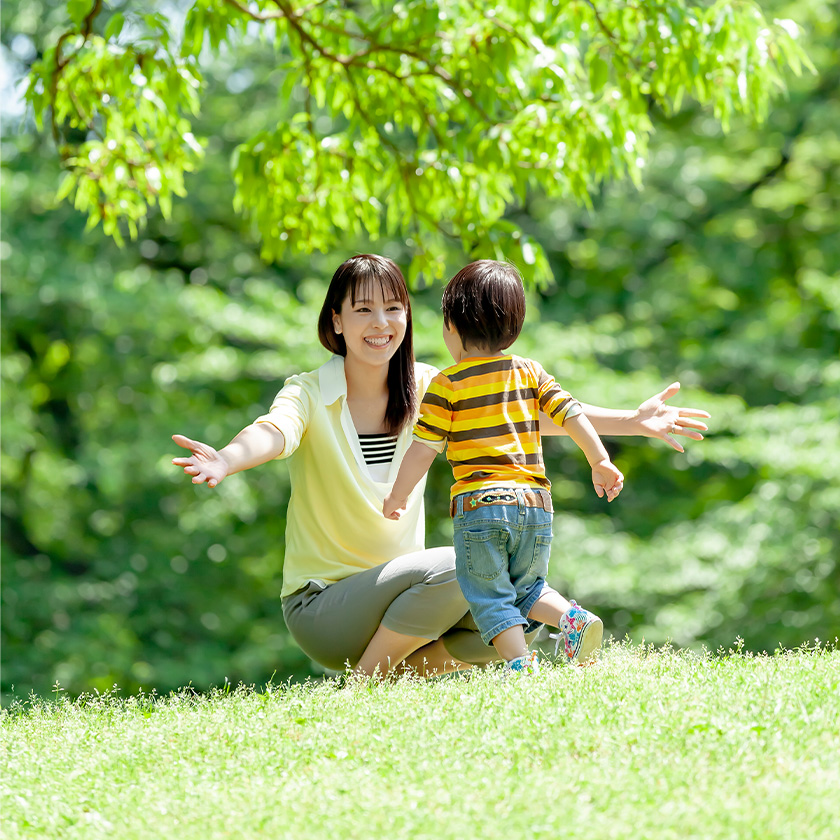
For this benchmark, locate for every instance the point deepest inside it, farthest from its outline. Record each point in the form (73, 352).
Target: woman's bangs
(390, 282)
(393, 287)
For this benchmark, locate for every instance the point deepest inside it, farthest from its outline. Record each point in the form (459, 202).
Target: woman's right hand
(205, 464)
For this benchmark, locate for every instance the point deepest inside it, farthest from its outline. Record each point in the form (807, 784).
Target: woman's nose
(380, 318)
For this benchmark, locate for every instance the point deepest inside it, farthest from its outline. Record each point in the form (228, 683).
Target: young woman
(359, 588)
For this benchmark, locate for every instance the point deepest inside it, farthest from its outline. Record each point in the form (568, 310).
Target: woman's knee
(439, 569)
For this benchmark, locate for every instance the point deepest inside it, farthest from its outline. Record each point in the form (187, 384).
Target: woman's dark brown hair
(485, 303)
(354, 277)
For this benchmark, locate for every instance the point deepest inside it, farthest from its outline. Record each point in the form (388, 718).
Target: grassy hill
(645, 744)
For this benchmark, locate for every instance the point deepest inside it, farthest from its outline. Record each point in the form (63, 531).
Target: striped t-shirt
(378, 449)
(486, 412)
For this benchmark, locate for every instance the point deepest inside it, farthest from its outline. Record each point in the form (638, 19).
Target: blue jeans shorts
(501, 560)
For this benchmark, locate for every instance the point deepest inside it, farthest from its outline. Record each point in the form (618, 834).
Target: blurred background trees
(722, 271)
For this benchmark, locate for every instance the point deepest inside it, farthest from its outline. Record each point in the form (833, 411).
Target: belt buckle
(491, 498)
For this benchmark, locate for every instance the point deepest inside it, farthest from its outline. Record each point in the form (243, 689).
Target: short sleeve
(291, 410)
(554, 401)
(435, 421)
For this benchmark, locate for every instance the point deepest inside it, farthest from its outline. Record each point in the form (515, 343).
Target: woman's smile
(373, 322)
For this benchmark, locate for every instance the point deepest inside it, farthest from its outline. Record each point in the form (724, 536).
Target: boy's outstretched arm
(414, 466)
(606, 477)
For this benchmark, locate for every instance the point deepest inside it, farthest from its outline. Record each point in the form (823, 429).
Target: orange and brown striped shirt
(486, 412)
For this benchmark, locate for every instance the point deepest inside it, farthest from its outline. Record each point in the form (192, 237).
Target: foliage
(647, 744)
(421, 119)
(721, 271)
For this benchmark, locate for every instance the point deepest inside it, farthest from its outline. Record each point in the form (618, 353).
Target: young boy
(485, 411)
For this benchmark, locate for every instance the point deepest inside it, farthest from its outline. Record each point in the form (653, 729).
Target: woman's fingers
(199, 450)
(186, 442)
(201, 464)
(673, 442)
(669, 392)
(684, 423)
(686, 432)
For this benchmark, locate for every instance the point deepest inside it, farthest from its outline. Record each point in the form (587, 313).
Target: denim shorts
(501, 560)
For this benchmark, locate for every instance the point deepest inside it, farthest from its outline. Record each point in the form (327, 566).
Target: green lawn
(645, 744)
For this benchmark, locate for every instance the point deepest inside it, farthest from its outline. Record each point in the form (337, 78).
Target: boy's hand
(393, 508)
(607, 479)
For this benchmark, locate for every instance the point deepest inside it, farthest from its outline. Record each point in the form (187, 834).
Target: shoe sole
(590, 643)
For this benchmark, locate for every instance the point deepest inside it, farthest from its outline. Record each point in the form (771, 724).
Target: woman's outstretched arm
(254, 445)
(653, 418)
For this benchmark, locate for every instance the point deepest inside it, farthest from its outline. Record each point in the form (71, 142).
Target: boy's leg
(529, 560)
(463, 642)
(482, 540)
(580, 631)
(549, 608)
(511, 644)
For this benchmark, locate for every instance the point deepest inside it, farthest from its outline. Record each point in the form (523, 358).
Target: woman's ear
(336, 319)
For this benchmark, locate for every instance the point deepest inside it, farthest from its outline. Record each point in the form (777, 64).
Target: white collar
(332, 380)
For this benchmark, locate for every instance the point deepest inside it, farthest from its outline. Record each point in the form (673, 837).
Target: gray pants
(416, 595)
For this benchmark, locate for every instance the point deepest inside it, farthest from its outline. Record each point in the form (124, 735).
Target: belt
(484, 498)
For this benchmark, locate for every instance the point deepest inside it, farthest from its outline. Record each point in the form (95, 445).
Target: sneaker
(526, 666)
(580, 632)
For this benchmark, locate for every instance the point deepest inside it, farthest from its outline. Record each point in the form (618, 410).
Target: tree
(422, 119)
(721, 271)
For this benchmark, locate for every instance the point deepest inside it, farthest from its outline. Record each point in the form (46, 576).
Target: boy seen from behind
(484, 410)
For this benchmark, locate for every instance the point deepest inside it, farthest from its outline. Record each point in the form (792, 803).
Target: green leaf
(78, 10)
(598, 73)
(114, 26)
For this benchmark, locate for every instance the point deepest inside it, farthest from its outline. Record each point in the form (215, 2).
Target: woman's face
(373, 327)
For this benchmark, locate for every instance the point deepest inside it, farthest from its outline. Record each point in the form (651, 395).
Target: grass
(645, 744)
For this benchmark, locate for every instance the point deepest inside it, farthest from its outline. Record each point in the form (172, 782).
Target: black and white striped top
(378, 449)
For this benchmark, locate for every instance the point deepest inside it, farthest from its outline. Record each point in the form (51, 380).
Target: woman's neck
(365, 381)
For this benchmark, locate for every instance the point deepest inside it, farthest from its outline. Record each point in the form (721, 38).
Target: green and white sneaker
(580, 632)
(524, 666)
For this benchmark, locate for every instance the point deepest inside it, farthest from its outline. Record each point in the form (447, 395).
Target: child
(485, 410)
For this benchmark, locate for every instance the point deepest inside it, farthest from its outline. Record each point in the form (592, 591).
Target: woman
(359, 588)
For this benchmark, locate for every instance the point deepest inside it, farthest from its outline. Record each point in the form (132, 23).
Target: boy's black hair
(354, 277)
(485, 303)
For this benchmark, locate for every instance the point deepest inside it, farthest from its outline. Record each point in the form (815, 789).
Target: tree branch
(256, 15)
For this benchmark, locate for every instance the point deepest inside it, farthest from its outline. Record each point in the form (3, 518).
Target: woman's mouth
(378, 340)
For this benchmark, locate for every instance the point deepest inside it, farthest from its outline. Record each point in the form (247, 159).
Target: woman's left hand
(660, 420)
